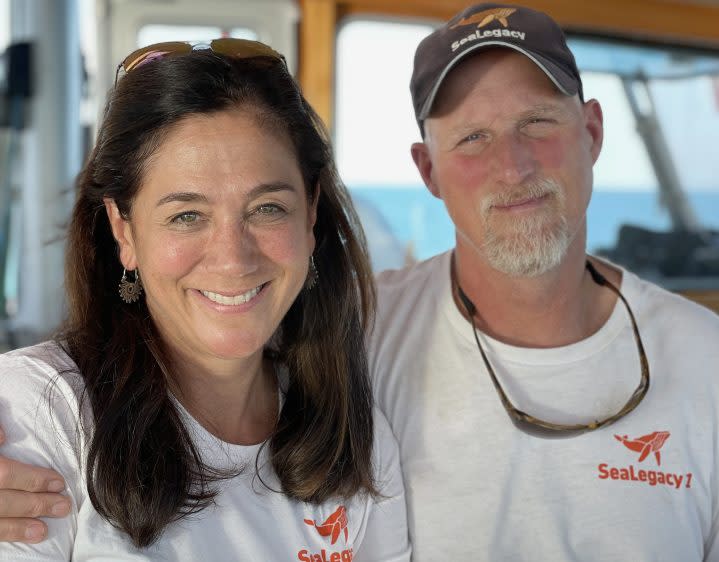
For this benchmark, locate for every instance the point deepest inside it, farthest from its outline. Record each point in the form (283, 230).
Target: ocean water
(408, 220)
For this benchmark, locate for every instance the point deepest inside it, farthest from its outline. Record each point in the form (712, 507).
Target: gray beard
(532, 245)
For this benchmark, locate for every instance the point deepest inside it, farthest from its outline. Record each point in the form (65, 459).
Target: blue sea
(408, 220)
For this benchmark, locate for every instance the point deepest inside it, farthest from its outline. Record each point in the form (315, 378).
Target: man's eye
(474, 137)
(539, 121)
(539, 126)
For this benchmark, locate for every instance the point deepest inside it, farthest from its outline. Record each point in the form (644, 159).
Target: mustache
(529, 190)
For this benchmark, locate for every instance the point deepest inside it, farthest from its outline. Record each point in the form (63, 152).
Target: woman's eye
(187, 218)
(269, 209)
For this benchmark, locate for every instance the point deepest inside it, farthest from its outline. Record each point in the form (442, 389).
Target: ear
(594, 124)
(313, 206)
(122, 233)
(423, 161)
(312, 216)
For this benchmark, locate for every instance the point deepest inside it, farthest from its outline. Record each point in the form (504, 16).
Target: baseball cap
(527, 31)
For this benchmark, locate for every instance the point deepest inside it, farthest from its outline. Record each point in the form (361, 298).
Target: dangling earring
(312, 275)
(130, 291)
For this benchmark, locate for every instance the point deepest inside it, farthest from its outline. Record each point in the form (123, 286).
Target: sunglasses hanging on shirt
(537, 427)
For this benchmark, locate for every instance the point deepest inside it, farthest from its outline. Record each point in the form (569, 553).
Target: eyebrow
(536, 111)
(273, 187)
(181, 196)
(543, 110)
(192, 196)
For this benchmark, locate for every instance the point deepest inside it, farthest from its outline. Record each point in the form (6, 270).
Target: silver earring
(130, 291)
(312, 275)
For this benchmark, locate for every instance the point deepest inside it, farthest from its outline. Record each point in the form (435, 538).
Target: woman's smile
(229, 302)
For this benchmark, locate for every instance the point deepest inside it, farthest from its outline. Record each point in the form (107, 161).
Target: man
(631, 473)
(541, 415)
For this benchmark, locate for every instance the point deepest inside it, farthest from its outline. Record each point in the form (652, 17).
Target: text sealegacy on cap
(528, 31)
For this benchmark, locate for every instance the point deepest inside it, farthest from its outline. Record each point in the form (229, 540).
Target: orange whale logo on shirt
(646, 444)
(333, 526)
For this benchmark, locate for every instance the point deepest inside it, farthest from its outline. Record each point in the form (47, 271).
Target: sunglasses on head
(239, 48)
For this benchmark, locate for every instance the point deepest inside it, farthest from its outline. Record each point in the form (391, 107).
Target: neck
(558, 308)
(234, 400)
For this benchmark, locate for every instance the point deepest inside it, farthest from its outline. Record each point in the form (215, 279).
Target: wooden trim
(317, 55)
(683, 22)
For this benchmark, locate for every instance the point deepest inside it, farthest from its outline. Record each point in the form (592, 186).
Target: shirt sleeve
(39, 412)
(386, 537)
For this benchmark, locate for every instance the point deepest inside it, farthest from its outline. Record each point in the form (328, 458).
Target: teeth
(238, 299)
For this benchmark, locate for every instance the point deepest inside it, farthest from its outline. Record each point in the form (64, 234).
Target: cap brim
(566, 83)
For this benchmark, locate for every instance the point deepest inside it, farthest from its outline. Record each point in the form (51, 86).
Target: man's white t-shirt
(642, 489)
(39, 408)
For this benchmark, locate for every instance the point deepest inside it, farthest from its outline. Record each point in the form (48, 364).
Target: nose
(513, 158)
(232, 249)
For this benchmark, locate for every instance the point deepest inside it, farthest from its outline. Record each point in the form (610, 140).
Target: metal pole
(673, 196)
(48, 160)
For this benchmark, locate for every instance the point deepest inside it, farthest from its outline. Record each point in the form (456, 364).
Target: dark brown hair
(143, 470)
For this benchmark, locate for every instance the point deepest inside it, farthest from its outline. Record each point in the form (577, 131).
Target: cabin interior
(653, 64)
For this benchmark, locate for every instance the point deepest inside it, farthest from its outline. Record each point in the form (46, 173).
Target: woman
(218, 407)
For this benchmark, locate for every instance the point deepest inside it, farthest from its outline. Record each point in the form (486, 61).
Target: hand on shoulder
(27, 493)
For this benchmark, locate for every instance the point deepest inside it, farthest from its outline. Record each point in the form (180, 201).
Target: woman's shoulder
(29, 371)
(49, 353)
(39, 414)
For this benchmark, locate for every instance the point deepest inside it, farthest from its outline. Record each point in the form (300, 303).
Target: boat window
(655, 206)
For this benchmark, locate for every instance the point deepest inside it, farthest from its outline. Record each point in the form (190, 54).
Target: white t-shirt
(39, 410)
(642, 489)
